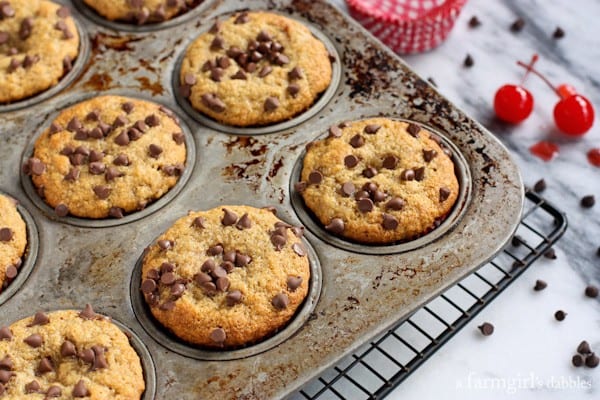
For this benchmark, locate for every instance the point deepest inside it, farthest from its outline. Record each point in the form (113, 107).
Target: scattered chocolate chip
(584, 348)
(67, 64)
(577, 360)
(154, 150)
(389, 222)
(34, 340)
(217, 43)
(67, 349)
(36, 166)
(122, 139)
(242, 18)
(369, 172)
(6, 363)
(32, 387)
(390, 162)
(518, 25)
(121, 160)
(365, 205)
(39, 319)
(6, 234)
(102, 191)
(61, 210)
(336, 226)
(357, 141)
(419, 174)
(540, 285)
(168, 306)
(474, 22)
(295, 73)
(97, 168)
(218, 335)
(539, 186)
(348, 189)
(560, 315)
(486, 329)
(407, 175)
(372, 129)
(271, 103)
(241, 75)
(413, 129)
(278, 241)
(215, 250)
(244, 222)
(335, 132)
(54, 391)
(395, 204)
(280, 301)
(315, 177)
(559, 33)
(229, 218)
(591, 291)
(45, 366)
(211, 101)
(550, 254)
(5, 376)
(80, 390)
(116, 212)
(468, 62)
(6, 10)
(241, 260)
(164, 245)
(88, 313)
(444, 194)
(266, 70)
(5, 333)
(11, 272)
(234, 297)
(588, 201)
(592, 361)
(99, 359)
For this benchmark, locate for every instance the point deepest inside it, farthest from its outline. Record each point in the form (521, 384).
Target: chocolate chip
(61, 210)
(99, 359)
(25, 28)
(122, 139)
(6, 363)
(584, 348)
(336, 226)
(550, 254)
(218, 335)
(155, 150)
(299, 249)
(148, 286)
(577, 360)
(116, 212)
(211, 101)
(80, 390)
(229, 218)
(335, 132)
(164, 245)
(88, 313)
(127, 107)
(34, 340)
(218, 272)
(395, 204)
(444, 194)
(11, 272)
(140, 126)
(468, 62)
(559, 33)
(202, 277)
(370, 187)
(348, 189)
(540, 285)
(102, 191)
(295, 73)
(365, 205)
(271, 104)
(389, 222)
(315, 177)
(45, 366)
(6, 234)
(420, 174)
(215, 250)
(474, 22)
(350, 161)
(67, 64)
(592, 361)
(357, 141)
(244, 222)
(32, 387)
(39, 319)
(407, 175)
(54, 391)
(486, 328)
(168, 278)
(242, 18)
(234, 297)
(121, 160)
(241, 75)
(293, 89)
(67, 349)
(280, 301)
(266, 70)
(518, 25)
(97, 168)
(241, 260)
(560, 315)
(222, 284)
(278, 241)
(413, 130)
(5, 333)
(216, 74)
(6, 10)
(5, 376)
(591, 291)
(539, 186)
(36, 166)
(167, 306)
(217, 43)
(588, 201)
(390, 162)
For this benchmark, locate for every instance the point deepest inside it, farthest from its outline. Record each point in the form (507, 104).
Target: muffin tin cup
(320, 102)
(156, 205)
(311, 222)
(167, 339)
(121, 26)
(29, 256)
(65, 81)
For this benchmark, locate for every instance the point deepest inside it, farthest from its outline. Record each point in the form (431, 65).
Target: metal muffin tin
(361, 294)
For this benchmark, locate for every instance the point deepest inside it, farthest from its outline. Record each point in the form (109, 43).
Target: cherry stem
(530, 68)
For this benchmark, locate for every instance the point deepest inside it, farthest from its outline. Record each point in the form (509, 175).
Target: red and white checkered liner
(407, 26)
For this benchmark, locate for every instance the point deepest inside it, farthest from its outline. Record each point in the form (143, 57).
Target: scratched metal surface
(362, 294)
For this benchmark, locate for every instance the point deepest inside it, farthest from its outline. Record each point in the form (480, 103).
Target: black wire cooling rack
(374, 370)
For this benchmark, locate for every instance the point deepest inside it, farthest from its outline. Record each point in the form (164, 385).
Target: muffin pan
(363, 290)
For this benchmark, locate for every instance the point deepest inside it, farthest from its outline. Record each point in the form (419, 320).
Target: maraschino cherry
(514, 103)
(573, 114)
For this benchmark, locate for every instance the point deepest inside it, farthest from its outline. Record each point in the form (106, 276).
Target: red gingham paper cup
(407, 26)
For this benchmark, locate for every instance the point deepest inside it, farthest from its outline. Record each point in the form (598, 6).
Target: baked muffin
(68, 354)
(226, 277)
(38, 43)
(107, 156)
(141, 11)
(378, 181)
(13, 240)
(255, 68)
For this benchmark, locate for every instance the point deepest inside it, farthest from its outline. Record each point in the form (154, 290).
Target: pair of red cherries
(573, 114)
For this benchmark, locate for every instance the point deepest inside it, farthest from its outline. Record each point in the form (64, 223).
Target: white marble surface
(528, 356)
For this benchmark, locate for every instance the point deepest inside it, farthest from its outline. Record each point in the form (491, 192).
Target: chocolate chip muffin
(378, 181)
(226, 277)
(107, 156)
(141, 11)
(38, 43)
(255, 68)
(13, 240)
(68, 354)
